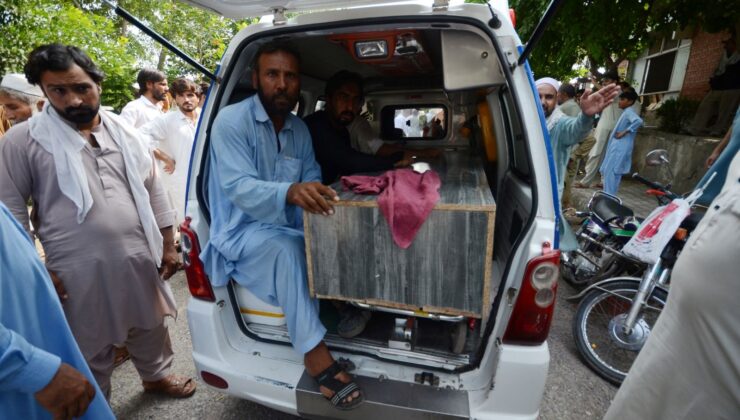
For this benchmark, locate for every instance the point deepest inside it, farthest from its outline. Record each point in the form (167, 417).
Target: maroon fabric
(406, 199)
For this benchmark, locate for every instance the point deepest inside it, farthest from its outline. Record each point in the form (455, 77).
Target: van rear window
(418, 122)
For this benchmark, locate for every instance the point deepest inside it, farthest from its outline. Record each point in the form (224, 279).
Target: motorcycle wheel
(597, 328)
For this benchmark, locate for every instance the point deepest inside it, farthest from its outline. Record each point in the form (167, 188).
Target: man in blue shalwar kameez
(618, 157)
(42, 371)
(567, 131)
(262, 175)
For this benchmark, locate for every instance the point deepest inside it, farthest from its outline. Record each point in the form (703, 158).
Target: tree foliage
(603, 33)
(117, 47)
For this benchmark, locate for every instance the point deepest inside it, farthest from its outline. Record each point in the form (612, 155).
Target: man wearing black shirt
(331, 139)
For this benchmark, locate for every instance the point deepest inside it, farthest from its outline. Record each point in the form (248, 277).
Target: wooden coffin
(351, 255)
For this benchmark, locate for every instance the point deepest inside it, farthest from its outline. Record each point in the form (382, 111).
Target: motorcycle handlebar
(654, 185)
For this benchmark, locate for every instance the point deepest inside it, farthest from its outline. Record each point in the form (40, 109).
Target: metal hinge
(278, 14)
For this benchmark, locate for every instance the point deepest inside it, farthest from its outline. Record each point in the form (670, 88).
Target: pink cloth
(406, 199)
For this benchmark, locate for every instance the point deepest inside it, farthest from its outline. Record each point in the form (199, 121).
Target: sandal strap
(343, 393)
(329, 374)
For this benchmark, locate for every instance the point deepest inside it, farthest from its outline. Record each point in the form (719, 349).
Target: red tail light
(532, 315)
(198, 283)
(512, 16)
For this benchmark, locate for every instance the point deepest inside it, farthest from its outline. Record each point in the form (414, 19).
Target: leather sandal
(174, 386)
(121, 355)
(342, 391)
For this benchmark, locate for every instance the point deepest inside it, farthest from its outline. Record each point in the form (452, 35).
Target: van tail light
(532, 315)
(512, 16)
(198, 282)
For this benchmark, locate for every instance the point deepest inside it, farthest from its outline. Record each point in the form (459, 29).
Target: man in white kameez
(153, 89)
(171, 136)
(604, 127)
(104, 219)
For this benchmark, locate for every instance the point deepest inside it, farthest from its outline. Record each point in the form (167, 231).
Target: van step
(385, 399)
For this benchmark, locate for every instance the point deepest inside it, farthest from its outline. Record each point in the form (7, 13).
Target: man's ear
(255, 79)
(40, 105)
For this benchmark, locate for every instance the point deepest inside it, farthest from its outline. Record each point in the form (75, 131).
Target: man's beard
(187, 107)
(547, 113)
(79, 115)
(159, 95)
(350, 117)
(271, 104)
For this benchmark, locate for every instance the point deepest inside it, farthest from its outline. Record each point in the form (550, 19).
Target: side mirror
(657, 157)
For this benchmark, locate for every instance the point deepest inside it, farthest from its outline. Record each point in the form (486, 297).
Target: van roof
(237, 9)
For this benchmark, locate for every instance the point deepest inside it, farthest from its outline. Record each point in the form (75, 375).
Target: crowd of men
(107, 191)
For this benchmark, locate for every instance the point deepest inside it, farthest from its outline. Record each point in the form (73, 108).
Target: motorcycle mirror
(657, 157)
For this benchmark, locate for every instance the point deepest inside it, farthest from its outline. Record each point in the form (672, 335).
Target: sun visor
(469, 61)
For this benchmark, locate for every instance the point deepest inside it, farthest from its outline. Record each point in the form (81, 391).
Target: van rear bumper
(519, 384)
(270, 374)
(250, 376)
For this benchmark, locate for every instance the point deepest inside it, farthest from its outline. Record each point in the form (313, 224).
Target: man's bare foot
(317, 361)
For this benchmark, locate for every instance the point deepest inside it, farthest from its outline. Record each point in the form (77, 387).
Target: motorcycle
(607, 226)
(615, 316)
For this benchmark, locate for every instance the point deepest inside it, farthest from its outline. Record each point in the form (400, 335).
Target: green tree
(117, 47)
(26, 24)
(603, 33)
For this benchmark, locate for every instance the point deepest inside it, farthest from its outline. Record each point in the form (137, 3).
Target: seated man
(262, 173)
(330, 135)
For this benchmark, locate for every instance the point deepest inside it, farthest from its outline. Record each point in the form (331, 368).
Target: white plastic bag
(656, 231)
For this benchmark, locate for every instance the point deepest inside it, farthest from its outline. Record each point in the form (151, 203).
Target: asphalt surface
(573, 392)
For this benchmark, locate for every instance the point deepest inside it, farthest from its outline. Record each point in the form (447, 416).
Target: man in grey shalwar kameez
(103, 219)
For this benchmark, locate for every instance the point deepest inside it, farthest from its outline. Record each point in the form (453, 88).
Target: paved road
(572, 391)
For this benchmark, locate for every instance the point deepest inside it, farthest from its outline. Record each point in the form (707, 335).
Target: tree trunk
(162, 59)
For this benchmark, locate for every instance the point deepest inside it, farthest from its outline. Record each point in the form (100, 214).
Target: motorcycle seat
(607, 208)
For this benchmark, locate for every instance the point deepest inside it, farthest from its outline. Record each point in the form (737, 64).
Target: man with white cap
(566, 131)
(19, 98)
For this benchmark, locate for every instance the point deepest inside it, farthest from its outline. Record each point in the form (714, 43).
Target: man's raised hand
(593, 103)
(314, 197)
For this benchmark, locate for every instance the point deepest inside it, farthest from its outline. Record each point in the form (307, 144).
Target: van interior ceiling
(413, 68)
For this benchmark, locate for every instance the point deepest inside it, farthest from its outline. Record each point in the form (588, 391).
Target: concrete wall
(686, 153)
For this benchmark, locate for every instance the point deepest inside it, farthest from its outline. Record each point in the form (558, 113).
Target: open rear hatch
(254, 8)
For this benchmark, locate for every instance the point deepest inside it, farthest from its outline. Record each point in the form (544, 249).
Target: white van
(458, 63)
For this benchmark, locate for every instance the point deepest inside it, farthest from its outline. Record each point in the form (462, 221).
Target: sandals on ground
(341, 390)
(174, 386)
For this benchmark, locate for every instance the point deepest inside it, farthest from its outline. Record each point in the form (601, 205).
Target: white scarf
(65, 144)
(553, 119)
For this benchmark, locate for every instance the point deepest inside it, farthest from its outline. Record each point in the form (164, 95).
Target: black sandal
(341, 390)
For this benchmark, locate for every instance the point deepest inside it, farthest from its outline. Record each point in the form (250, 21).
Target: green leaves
(603, 33)
(119, 49)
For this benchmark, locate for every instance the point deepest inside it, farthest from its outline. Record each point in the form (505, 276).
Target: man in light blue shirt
(566, 131)
(262, 175)
(42, 371)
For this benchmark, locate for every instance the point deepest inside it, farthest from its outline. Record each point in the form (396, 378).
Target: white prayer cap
(548, 81)
(18, 83)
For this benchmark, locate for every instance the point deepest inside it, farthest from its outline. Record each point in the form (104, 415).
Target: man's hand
(313, 197)
(409, 156)
(67, 395)
(169, 165)
(620, 134)
(58, 286)
(170, 260)
(593, 103)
